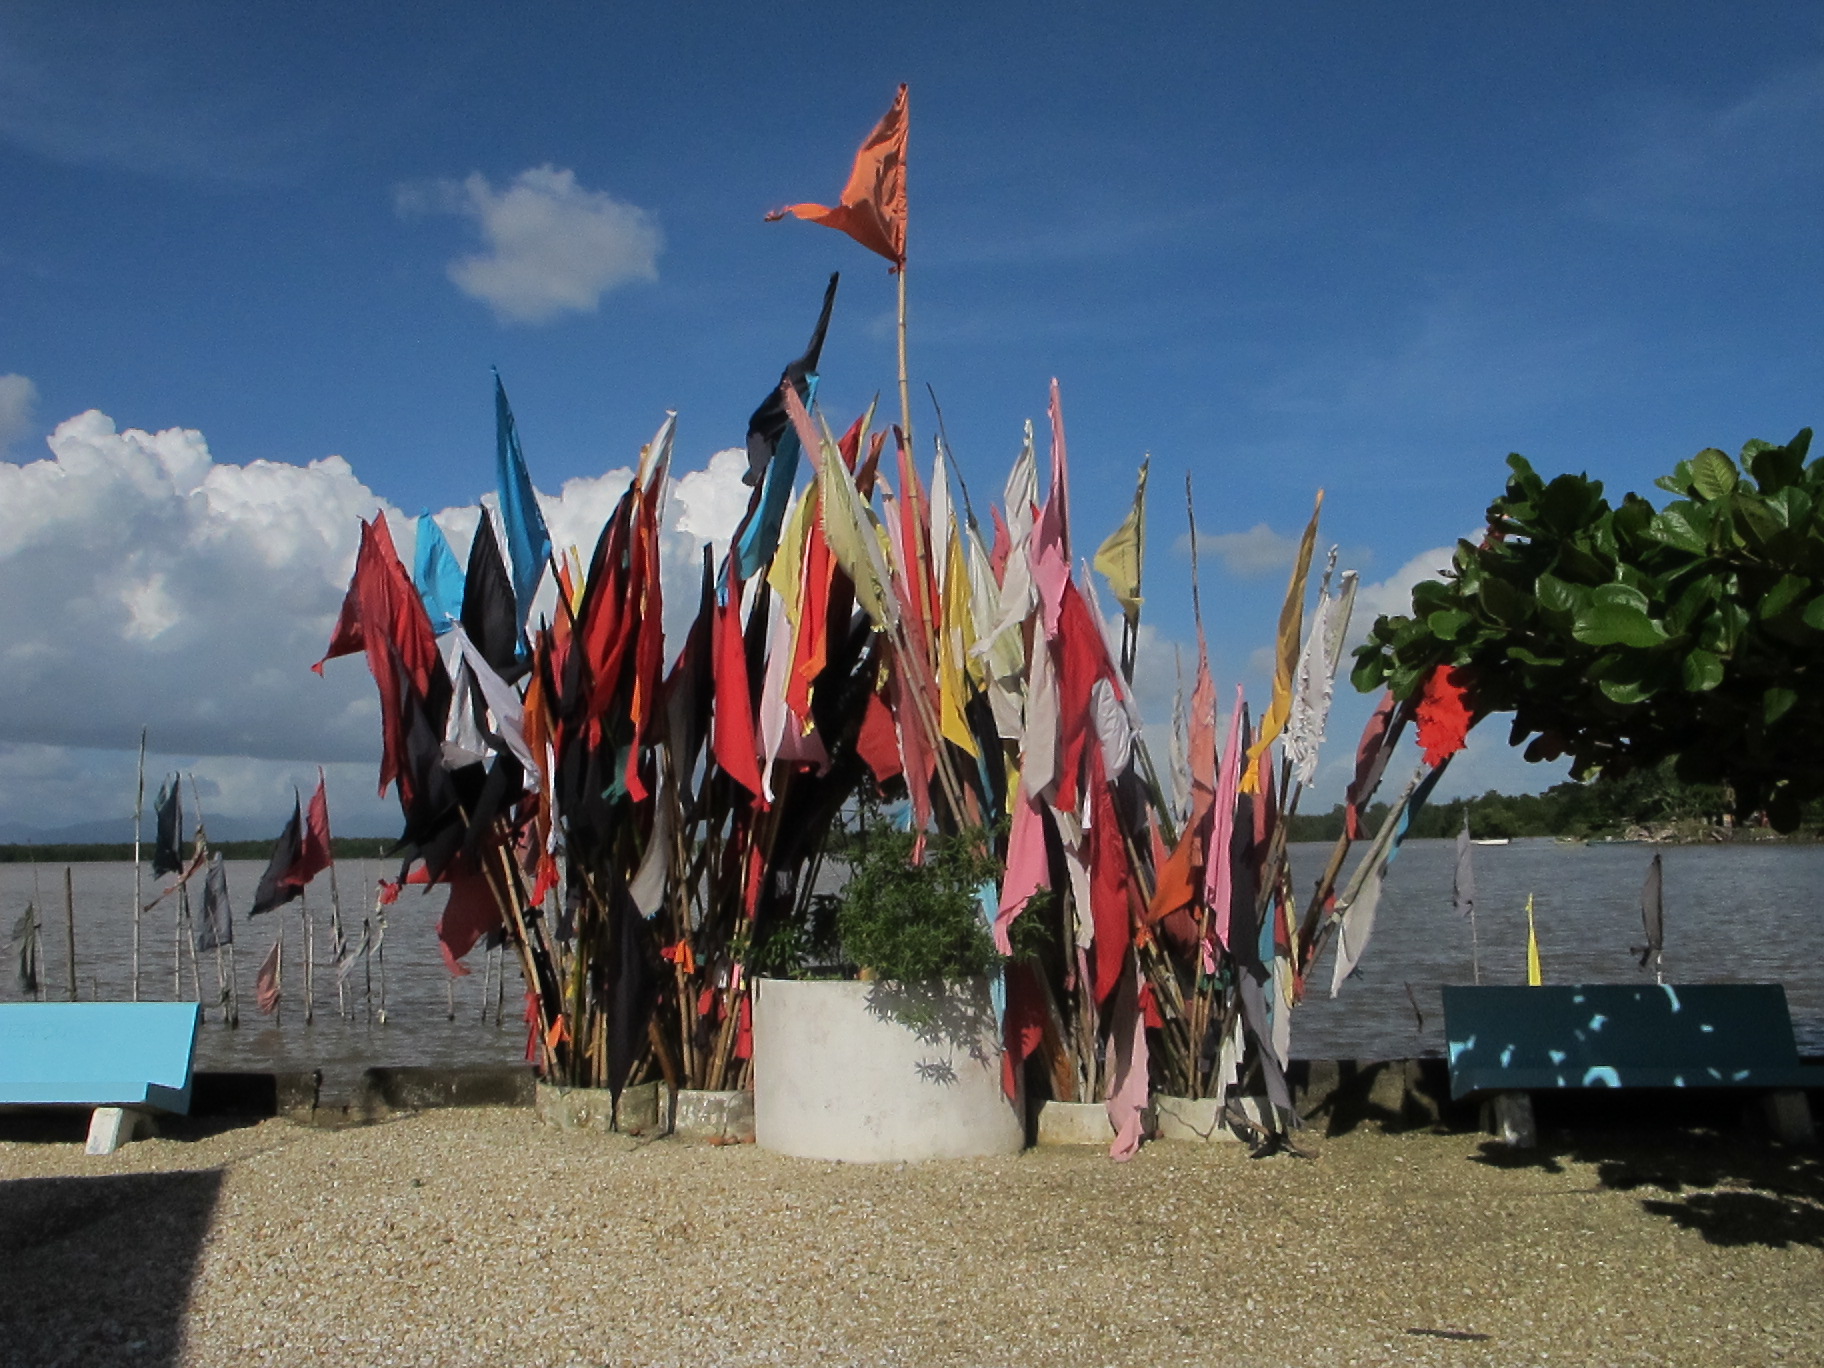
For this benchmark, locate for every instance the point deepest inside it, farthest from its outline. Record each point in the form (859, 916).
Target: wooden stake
(69, 926)
(310, 958)
(139, 808)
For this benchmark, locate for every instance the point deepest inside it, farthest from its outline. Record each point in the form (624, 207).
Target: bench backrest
(1619, 1026)
(98, 1054)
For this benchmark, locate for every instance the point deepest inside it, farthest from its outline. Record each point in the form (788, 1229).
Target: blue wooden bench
(1507, 1042)
(124, 1059)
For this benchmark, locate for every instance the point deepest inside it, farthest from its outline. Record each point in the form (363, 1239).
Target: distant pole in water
(1653, 917)
(69, 926)
(310, 958)
(1465, 893)
(139, 810)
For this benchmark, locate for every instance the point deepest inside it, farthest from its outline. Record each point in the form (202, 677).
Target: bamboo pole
(69, 926)
(139, 808)
(905, 392)
(310, 957)
(335, 926)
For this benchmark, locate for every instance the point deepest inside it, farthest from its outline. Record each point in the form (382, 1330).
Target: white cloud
(1258, 551)
(18, 400)
(552, 247)
(148, 585)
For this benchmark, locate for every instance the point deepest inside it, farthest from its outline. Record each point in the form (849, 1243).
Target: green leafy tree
(1628, 636)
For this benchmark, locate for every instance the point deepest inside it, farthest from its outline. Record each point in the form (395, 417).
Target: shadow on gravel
(70, 1126)
(98, 1270)
(1731, 1189)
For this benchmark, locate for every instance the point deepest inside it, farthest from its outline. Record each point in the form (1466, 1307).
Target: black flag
(768, 423)
(489, 611)
(216, 926)
(25, 939)
(1653, 915)
(168, 811)
(278, 885)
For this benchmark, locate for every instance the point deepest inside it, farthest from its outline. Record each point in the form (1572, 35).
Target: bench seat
(112, 1056)
(1506, 1041)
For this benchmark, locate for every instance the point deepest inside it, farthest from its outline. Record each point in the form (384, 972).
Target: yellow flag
(1285, 654)
(1533, 977)
(787, 570)
(1120, 557)
(954, 638)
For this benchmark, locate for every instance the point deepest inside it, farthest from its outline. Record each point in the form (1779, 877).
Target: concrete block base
(593, 1109)
(1789, 1116)
(699, 1114)
(1075, 1123)
(112, 1127)
(1508, 1117)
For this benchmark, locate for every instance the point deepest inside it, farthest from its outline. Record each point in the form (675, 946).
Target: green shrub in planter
(909, 923)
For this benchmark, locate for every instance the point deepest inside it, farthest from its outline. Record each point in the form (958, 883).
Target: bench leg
(1789, 1115)
(1509, 1117)
(112, 1127)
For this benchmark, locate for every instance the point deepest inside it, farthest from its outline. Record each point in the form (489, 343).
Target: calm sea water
(1734, 914)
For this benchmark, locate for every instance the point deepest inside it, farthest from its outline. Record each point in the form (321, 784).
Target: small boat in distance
(1490, 840)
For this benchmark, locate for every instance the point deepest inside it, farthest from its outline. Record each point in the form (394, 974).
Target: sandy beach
(481, 1237)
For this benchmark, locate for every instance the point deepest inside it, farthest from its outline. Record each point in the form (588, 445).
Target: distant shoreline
(109, 852)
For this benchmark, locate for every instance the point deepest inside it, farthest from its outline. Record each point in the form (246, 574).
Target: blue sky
(1372, 248)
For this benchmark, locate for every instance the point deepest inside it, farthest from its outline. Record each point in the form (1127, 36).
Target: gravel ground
(479, 1237)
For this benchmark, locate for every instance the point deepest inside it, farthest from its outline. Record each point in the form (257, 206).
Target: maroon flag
(268, 983)
(313, 849)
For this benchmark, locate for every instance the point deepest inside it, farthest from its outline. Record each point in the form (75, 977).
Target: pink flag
(268, 983)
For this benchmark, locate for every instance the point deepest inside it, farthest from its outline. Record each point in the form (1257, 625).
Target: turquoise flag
(528, 543)
(759, 538)
(436, 575)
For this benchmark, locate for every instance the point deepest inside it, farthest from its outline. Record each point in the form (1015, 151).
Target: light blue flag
(760, 538)
(528, 543)
(437, 576)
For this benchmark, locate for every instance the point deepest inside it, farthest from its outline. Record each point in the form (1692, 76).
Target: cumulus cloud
(18, 401)
(551, 246)
(1258, 551)
(150, 585)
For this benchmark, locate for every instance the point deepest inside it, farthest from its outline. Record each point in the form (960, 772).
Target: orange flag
(873, 208)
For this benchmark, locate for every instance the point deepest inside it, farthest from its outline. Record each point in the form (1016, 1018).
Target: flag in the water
(528, 543)
(1463, 887)
(25, 941)
(1533, 977)
(1653, 915)
(436, 575)
(216, 926)
(873, 206)
(313, 850)
(277, 886)
(168, 812)
(268, 985)
(1463, 892)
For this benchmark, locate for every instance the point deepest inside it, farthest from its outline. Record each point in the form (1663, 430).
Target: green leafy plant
(907, 922)
(1626, 636)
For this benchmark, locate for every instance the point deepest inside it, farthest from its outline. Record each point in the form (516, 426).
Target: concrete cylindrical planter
(1075, 1123)
(877, 1072)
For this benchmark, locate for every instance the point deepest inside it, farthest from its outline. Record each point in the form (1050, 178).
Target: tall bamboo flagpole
(139, 809)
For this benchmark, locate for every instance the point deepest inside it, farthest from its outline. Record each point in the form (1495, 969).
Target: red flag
(383, 616)
(732, 732)
(313, 850)
(1444, 715)
(873, 207)
(267, 984)
(470, 914)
